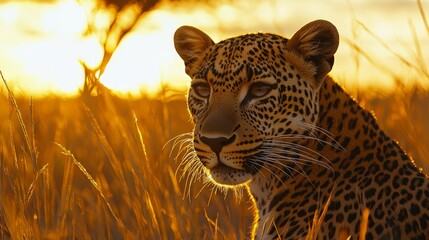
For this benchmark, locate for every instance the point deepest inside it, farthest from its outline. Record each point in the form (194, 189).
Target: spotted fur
(268, 117)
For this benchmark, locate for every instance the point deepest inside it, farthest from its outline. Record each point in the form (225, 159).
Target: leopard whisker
(188, 161)
(177, 141)
(261, 163)
(323, 131)
(319, 129)
(297, 161)
(280, 155)
(191, 168)
(305, 154)
(273, 160)
(300, 171)
(206, 183)
(192, 172)
(300, 136)
(297, 149)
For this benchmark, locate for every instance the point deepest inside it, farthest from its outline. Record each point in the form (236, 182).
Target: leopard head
(252, 91)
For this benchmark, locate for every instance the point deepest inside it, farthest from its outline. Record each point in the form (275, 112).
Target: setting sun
(143, 63)
(44, 43)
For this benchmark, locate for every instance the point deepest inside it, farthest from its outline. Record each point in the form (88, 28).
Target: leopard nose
(216, 144)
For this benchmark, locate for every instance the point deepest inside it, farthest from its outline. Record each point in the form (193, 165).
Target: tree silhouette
(121, 18)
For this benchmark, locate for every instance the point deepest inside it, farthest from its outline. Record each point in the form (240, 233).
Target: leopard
(268, 118)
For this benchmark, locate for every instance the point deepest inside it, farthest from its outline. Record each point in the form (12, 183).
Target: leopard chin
(224, 175)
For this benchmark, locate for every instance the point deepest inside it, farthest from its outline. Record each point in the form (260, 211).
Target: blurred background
(94, 131)
(45, 43)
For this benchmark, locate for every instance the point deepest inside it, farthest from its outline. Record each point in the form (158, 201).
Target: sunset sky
(41, 42)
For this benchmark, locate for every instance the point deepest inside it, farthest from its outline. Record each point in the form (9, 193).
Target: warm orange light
(39, 47)
(42, 45)
(136, 66)
(90, 52)
(147, 60)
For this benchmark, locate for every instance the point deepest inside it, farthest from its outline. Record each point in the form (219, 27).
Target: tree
(111, 21)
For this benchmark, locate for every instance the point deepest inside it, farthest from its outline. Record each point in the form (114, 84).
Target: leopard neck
(333, 145)
(337, 146)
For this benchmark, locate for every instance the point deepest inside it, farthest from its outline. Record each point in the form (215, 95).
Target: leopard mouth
(229, 176)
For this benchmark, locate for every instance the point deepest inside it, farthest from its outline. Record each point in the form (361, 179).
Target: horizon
(35, 62)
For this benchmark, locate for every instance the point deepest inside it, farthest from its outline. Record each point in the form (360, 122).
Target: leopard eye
(259, 89)
(201, 89)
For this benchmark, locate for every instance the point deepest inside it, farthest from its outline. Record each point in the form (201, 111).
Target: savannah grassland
(102, 167)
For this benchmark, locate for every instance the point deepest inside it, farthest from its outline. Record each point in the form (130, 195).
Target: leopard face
(250, 92)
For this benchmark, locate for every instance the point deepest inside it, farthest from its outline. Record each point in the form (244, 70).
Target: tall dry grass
(95, 168)
(401, 112)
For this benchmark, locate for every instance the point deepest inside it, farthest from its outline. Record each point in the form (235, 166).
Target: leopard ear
(190, 44)
(317, 43)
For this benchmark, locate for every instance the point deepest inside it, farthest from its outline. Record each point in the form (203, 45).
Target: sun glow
(39, 56)
(10, 16)
(143, 63)
(43, 44)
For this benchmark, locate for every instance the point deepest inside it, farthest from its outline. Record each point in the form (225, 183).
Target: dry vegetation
(95, 167)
